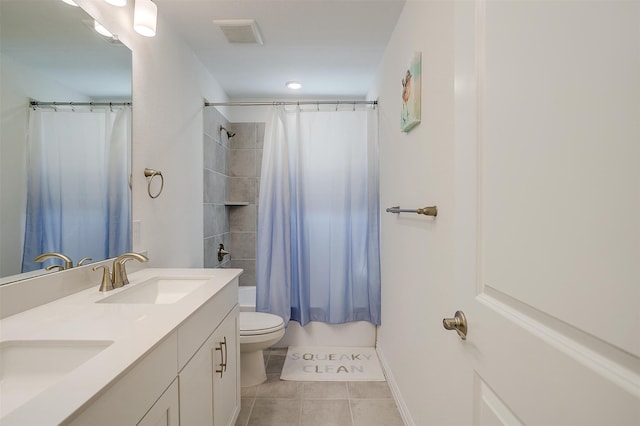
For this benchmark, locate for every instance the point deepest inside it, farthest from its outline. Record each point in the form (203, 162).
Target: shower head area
(229, 133)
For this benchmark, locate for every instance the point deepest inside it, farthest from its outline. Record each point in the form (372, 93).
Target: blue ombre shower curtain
(78, 197)
(318, 256)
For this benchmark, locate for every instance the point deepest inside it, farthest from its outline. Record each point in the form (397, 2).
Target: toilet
(258, 331)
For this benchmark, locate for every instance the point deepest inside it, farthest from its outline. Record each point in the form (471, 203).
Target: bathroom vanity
(161, 350)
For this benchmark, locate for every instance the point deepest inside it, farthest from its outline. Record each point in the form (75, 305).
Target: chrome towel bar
(427, 211)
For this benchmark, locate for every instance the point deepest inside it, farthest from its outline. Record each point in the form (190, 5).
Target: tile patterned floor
(287, 403)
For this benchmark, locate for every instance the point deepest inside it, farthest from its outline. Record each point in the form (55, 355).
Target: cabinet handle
(226, 357)
(223, 356)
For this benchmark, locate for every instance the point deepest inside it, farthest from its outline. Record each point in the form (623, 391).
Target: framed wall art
(411, 94)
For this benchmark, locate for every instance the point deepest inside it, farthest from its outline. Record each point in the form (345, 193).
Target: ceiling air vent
(240, 30)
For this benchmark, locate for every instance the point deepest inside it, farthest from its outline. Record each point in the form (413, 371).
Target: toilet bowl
(258, 331)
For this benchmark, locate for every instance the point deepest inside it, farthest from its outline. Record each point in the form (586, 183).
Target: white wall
(18, 85)
(417, 170)
(169, 89)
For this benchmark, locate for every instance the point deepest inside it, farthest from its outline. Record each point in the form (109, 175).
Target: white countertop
(134, 329)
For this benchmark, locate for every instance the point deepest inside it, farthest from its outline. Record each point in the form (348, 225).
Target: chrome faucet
(68, 263)
(119, 275)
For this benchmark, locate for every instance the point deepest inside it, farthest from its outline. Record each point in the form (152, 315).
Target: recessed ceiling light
(294, 85)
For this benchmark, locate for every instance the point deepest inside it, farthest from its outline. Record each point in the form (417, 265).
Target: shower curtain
(78, 197)
(318, 255)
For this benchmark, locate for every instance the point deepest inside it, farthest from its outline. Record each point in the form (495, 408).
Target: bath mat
(331, 364)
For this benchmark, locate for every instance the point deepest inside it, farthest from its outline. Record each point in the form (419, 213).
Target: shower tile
(208, 151)
(209, 220)
(242, 162)
(243, 219)
(325, 412)
(245, 137)
(212, 121)
(210, 259)
(275, 412)
(372, 412)
(214, 187)
(242, 189)
(260, 127)
(243, 245)
(258, 162)
(248, 277)
(220, 158)
(215, 220)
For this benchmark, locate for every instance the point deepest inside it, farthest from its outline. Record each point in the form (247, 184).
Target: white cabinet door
(226, 367)
(209, 382)
(165, 411)
(196, 388)
(547, 195)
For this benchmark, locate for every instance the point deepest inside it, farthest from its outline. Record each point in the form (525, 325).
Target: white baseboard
(395, 391)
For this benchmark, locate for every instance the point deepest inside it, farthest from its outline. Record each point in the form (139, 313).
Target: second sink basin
(158, 290)
(27, 367)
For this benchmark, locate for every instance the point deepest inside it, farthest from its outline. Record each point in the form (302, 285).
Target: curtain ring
(150, 174)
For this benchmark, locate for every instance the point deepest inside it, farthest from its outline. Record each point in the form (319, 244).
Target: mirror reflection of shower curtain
(78, 197)
(318, 255)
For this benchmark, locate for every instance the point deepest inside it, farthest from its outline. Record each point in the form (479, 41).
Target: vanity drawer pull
(223, 356)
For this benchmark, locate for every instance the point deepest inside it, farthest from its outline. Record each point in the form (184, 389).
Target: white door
(547, 196)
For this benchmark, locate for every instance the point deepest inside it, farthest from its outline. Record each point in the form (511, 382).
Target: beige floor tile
(248, 391)
(325, 390)
(275, 363)
(275, 412)
(375, 412)
(246, 405)
(325, 413)
(363, 390)
(276, 388)
(279, 351)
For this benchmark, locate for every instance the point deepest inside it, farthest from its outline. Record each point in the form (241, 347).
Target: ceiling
(58, 41)
(332, 47)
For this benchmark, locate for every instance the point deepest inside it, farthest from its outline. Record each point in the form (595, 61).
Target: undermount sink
(27, 367)
(158, 290)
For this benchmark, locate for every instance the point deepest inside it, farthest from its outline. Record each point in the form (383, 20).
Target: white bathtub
(360, 333)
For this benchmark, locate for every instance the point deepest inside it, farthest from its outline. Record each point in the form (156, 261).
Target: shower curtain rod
(35, 104)
(291, 103)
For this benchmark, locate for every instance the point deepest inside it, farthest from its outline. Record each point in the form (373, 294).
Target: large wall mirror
(64, 169)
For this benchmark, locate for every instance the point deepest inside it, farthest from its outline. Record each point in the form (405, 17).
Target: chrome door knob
(457, 323)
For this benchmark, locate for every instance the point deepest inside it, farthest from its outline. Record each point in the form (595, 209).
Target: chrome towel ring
(150, 174)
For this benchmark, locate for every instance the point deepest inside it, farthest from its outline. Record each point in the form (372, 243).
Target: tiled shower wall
(231, 184)
(216, 218)
(245, 161)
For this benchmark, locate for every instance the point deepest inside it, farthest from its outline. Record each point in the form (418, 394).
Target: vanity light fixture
(145, 16)
(118, 3)
(101, 30)
(294, 85)
(70, 2)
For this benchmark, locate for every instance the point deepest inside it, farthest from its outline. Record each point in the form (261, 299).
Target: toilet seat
(257, 323)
